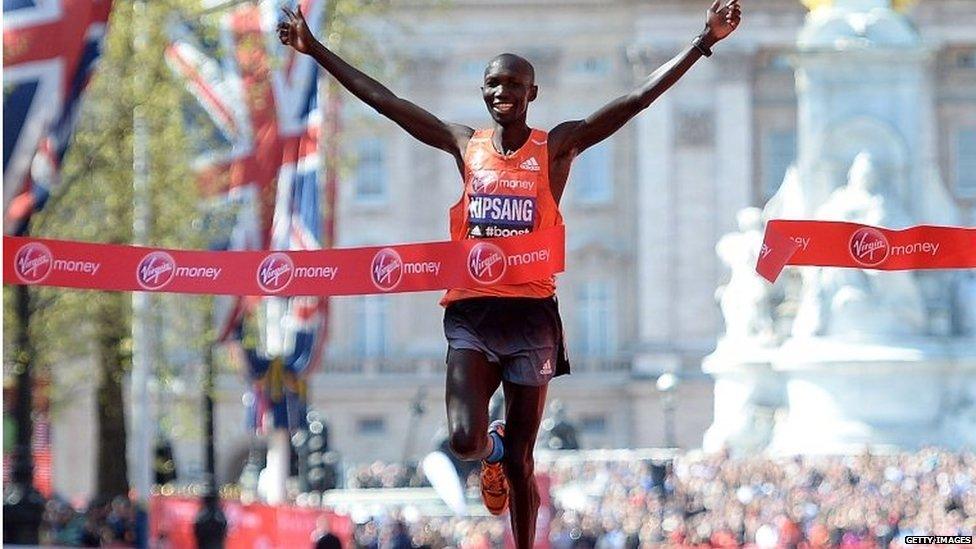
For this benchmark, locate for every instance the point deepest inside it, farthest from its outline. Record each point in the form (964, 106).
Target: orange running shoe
(494, 485)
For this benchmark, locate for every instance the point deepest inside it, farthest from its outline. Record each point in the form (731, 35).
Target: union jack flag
(260, 169)
(49, 52)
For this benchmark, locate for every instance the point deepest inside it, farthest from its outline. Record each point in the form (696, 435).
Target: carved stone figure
(857, 302)
(745, 299)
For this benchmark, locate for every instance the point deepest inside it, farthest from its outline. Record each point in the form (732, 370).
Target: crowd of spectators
(103, 523)
(386, 475)
(693, 501)
(851, 502)
(394, 532)
(716, 501)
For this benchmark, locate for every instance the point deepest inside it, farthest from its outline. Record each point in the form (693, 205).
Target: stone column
(734, 138)
(655, 209)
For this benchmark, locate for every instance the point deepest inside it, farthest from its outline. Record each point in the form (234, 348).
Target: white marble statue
(745, 300)
(858, 302)
(790, 200)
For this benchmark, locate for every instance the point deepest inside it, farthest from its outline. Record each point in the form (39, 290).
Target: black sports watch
(699, 45)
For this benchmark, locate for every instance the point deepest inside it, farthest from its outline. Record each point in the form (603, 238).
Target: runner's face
(507, 91)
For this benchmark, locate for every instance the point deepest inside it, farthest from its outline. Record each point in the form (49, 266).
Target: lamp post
(23, 505)
(210, 526)
(667, 384)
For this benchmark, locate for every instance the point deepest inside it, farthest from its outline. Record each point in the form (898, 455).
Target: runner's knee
(469, 445)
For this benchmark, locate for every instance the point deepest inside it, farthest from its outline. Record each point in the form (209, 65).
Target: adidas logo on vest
(531, 164)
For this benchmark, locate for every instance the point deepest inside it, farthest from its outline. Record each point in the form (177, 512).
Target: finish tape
(843, 244)
(470, 263)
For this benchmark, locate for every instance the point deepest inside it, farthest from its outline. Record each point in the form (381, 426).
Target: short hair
(515, 61)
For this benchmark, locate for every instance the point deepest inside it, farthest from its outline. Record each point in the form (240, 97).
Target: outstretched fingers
(734, 13)
(294, 15)
(287, 26)
(284, 30)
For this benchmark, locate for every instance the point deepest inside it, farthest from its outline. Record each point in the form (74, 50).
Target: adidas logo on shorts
(531, 164)
(546, 368)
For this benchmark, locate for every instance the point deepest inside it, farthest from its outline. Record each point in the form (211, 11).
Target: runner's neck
(508, 140)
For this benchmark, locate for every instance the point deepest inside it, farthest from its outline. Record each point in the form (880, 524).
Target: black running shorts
(524, 336)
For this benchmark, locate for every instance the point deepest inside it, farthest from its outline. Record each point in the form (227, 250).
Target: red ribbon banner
(842, 244)
(471, 263)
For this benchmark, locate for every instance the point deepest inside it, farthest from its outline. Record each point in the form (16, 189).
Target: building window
(472, 69)
(592, 66)
(779, 151)
(372, 326)
(371, 178)
(966, 163)
(966, 59)
(597, 322)
(592, 175)
(695, 129)
(593, 424)
(371, 426)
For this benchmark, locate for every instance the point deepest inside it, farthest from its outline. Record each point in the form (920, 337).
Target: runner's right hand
(294, 31)
(721, 19)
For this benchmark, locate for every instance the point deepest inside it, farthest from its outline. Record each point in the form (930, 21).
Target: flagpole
(142, 421)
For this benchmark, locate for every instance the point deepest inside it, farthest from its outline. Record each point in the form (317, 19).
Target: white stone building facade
(643, 211)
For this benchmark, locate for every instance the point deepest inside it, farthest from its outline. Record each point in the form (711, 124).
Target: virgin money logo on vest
(484, 181)
(275, 272)
(486, 263)
(33, 263)
(386, 269)
(155, 270)
(869, 247)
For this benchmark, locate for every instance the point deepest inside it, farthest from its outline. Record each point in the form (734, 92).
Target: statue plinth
(747, 395)
(842, 395)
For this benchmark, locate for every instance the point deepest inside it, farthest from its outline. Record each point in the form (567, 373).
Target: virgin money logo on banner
(275, 272)
(486, 263)
(33, 263)
(156, 270)
(386, 269)
(869, 247)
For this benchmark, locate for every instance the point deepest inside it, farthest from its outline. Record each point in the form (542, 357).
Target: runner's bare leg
(524, 406)
(471, 380)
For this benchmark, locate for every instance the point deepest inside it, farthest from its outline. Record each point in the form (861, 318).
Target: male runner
(514, 177)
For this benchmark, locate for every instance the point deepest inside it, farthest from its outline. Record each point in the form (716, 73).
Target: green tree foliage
(83, 338)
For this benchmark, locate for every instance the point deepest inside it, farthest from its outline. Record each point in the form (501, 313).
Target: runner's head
(509, 87)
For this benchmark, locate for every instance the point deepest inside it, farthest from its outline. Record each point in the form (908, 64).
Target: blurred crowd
(852, 502)
(102, 523)
(693, 501)
(715, 501)
(394, 532)
(386, 475)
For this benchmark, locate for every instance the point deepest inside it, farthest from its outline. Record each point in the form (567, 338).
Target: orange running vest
(504, 196)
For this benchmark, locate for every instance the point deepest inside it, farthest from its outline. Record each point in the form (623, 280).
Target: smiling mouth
(504, 107)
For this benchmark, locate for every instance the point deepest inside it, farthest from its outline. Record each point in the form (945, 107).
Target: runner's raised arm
(571, 138)
(419, 123)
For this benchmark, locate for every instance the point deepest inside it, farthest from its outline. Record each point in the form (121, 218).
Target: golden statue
(813, 5)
